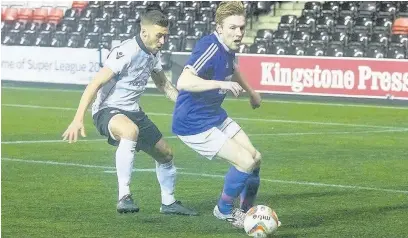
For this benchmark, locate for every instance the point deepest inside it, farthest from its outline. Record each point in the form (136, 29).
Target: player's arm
(102, 76)
(254, 96)
(203, 59)
(189, 81)
(164, 85)
(113, 66)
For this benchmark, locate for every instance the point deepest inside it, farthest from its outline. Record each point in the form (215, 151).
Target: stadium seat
(277, 49)
(10, 14)
(106, 40)
(91, 40)
(80, 4)
(75, 40)
(12, 37)
(386, 9)
(43, 39)
(18, 25)
(108, 11)
(367, 9)
(380, 38)
(88, 13)
(335, 51)
(174, 43)
(296, 50)
(258, 48)
(320, 38)
(265, 34)
(59, 39)
(243, 48)
(325, 23)
(47, 26)
(100, 26)
(358, 39)
(396, 53)
(375, 52)
(282, 36)
(315, 51)
(287, 22)
(340, 38)
(400, 26)
(330, 9)
(124, 12)
(300, 38)
(306, 23)
(55, 15)
(74, 13)
(348, 8)
(403, 10)
(399, 40)
(355, 51)
(312, 9)
(165, 59)
(190, 42)
(363, 25)
(344, 24)
(199, 28)
(25, 14)
(32, 26)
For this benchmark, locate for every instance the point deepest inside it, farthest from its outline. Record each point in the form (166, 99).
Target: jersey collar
(222, 43)
(141, 44)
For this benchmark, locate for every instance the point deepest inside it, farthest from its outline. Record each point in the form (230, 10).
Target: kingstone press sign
(348, 77)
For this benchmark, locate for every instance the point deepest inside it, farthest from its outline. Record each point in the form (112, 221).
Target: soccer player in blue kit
(203, 125)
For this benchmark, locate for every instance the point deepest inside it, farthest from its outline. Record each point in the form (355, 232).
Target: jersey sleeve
(117, 60)
(157, 67)
(202, 58)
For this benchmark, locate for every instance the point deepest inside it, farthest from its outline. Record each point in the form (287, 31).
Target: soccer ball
(260, 221)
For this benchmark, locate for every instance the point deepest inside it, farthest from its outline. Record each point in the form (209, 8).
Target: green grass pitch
(329, 170)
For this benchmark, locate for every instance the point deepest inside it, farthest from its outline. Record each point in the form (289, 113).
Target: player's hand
(71, 134)
(234, 87)
(255, 100)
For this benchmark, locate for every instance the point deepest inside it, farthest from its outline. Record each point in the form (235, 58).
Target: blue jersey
(196, 112)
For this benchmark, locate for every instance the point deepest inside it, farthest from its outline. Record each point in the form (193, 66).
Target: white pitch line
(252, 135)
(228, 99)
(214, 176)
(237, 118)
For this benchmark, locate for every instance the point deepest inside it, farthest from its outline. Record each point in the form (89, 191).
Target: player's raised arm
(77, 124)
(255, 97)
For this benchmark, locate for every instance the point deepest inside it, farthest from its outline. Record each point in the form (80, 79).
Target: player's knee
(128, 131)
(247, 163)
(168, 155)
(258, 159)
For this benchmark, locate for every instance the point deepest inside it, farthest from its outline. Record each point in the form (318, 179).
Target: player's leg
(214, 142)
(248, 194)
(126, 132)
(152, 142)
(123, 133)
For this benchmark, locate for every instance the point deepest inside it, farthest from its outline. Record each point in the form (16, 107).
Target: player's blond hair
(228, 8)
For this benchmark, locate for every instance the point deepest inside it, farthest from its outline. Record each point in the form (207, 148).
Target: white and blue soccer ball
(261, 221)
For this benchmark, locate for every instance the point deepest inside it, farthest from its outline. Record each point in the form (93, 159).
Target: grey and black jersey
(132, 64)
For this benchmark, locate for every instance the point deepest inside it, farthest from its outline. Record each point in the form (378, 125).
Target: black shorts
(149, 134)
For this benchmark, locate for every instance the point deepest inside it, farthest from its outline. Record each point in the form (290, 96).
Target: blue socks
(248, 194)
(234, 183)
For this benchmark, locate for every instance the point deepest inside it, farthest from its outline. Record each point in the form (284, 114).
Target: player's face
(156, 36)
(232, 31)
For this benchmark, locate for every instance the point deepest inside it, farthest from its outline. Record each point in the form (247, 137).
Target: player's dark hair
(154, 17)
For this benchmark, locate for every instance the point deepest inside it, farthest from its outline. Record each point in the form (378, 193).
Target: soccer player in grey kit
(118, 116)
